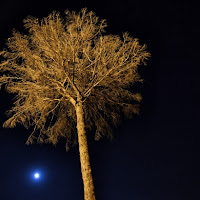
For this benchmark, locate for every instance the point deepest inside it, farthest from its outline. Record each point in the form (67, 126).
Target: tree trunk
(84, 155)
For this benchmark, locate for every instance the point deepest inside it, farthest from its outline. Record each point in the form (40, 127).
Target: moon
(37, 175)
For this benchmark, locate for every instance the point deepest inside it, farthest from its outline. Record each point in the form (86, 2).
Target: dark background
(155, 155)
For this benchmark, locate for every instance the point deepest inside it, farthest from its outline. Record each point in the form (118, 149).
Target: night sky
(154, 156)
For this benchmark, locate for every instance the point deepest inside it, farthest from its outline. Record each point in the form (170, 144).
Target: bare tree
(68, 77)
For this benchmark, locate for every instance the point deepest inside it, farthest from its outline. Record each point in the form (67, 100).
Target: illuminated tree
(68, 77)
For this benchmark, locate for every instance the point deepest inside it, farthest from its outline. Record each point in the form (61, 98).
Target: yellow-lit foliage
(60, 60)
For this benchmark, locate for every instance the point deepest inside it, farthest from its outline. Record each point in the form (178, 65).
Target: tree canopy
(63, 59)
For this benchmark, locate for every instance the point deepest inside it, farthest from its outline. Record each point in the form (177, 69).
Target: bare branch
(64, 61)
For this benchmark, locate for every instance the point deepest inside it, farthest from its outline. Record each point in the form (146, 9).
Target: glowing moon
(37, 175)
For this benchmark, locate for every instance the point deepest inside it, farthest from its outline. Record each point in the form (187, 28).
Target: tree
(69, 77)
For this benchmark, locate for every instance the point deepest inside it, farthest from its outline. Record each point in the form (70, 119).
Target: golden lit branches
(61, 61)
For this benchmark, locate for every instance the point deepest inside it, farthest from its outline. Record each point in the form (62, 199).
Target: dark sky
(154, 156)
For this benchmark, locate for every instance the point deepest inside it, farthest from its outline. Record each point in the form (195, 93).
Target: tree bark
(89, 193)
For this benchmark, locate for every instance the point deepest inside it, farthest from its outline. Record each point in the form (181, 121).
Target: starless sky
(154, 156)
